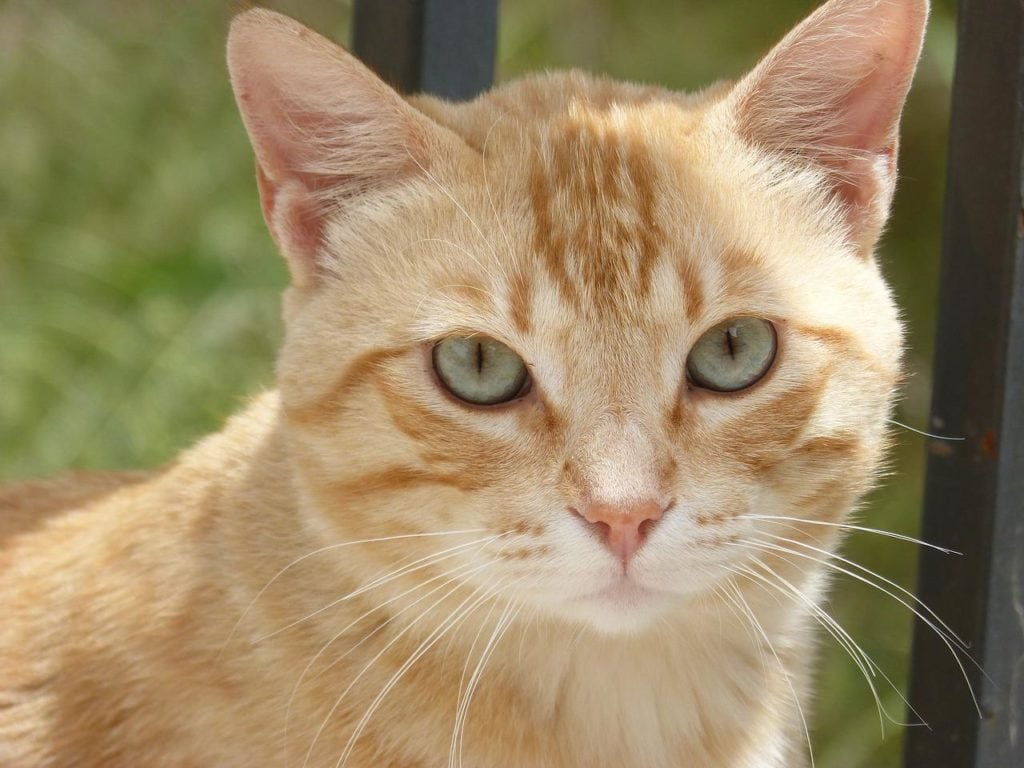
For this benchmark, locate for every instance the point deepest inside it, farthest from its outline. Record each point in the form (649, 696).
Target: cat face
(608, 329)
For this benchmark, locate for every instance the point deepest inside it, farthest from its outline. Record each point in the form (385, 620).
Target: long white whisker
(852, 527)
(487, 183)
(506, 619)
(416, 565)
(733, 606)
(453, 574)
(455, 202)
(465, 672)
(372, 661)
(925, 434)
(469, 254)
(946, 640)
(298, 560)
(782, 667)
(460, 572)
(455, 618)
(867, 666)
(864, 662)
(863, 569)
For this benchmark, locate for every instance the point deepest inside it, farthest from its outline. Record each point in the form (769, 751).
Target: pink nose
(623, 527)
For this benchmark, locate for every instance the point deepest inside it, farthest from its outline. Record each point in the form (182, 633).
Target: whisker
(469, 254)
(867, 669)
(487, 183)
(852, 527)
(782, 668)
(507, 616)
(416, 565)
(863, 661)
(852, 563)
(457, 204)
(947, 641)
(465, 669)
(926, 434)
(369, 664)
(867, 666)
(467, 569)
(298, 560)
(472, 571)
(734, 608)
(424, 646)
(426, 561)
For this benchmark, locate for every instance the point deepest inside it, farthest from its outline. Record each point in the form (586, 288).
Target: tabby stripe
(327, 408)
(392, 479)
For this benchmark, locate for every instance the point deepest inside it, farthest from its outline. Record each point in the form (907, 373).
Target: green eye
(733, 355)
(479, 370)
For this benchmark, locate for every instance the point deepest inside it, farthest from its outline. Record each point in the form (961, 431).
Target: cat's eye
(480, 370)
(733, 355)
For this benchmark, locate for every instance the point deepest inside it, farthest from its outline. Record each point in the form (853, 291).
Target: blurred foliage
(138, 287)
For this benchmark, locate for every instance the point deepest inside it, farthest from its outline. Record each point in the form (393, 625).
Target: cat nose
(623, 527)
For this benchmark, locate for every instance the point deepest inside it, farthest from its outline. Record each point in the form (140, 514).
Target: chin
(621, 609)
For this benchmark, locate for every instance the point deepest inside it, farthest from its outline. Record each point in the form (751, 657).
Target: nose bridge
(619, 460)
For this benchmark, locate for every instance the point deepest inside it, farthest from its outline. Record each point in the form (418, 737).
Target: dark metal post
(443, 47)
(974, 498)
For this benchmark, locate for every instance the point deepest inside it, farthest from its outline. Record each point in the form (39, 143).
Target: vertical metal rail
(443, 47)
(974, 496)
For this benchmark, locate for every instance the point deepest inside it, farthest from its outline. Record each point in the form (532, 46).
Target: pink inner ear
(832, 93)
(293, 216)
(323, 127)
(301, 174)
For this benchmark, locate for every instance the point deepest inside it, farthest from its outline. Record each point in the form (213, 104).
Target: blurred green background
(139, 289)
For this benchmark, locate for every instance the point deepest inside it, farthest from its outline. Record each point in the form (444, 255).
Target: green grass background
(139, 289)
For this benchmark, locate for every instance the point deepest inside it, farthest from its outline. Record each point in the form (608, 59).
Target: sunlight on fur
(580, 384)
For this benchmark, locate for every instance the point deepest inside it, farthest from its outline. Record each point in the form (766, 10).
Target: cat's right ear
(324, 130)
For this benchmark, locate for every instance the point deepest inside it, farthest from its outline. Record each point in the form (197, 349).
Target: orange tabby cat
(577, 378)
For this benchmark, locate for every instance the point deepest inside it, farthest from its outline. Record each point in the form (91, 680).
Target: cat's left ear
(326, 132)
(831, 95)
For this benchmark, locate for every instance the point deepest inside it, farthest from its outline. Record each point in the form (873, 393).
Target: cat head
(607, 328)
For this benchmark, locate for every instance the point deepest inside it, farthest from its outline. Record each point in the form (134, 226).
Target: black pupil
(479, 357)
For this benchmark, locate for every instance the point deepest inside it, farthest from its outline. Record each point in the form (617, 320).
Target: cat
(580, 380)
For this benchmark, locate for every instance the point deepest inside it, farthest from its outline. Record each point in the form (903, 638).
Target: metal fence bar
(443, 47)
(974, 495)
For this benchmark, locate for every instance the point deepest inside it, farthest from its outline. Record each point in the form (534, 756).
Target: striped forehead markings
(593, 198)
